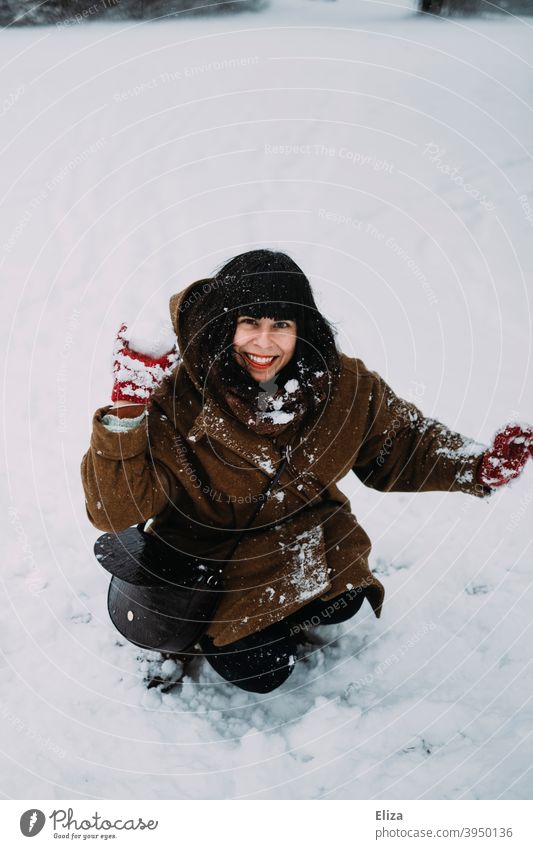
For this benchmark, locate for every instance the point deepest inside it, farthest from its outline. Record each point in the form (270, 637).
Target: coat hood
(189, 313)
(198, 314)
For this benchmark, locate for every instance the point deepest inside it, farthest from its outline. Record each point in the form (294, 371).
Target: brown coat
(198, 471)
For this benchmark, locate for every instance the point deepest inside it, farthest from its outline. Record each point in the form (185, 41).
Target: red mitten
(138, 375)
(508, 455)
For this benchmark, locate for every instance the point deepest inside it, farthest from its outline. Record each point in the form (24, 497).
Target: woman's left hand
(507, 456)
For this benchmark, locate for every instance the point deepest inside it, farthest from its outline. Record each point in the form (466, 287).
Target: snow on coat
(198, 472)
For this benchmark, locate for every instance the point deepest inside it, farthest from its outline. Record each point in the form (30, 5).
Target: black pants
(264, 660)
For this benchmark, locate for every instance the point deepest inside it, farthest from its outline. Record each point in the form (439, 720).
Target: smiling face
(264, 346)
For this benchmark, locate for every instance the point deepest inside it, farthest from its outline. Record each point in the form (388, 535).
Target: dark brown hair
(267, 284)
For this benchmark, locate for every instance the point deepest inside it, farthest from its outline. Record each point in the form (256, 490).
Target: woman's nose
(263, 339)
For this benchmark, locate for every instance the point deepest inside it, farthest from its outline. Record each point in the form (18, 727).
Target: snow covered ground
(391, 156)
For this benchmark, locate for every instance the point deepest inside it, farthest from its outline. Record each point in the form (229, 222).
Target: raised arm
(122, 481)
(123, 484)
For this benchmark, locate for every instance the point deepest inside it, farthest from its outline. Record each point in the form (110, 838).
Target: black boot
(430, 7)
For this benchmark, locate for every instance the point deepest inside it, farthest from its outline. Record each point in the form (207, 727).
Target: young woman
(194, 436)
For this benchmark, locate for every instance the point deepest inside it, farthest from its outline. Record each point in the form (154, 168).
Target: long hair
(268, 284)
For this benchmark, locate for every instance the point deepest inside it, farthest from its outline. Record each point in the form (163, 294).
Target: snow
(151, 335)
(469, 448)
(305, 550)
(138, 378)
(292, 385)
(115, 196)
(271, 406)
(276, 417)
(266, 464)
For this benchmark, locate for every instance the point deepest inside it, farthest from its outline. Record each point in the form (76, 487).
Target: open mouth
(258, 362)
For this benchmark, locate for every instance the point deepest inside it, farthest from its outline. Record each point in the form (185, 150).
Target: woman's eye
(278, 324)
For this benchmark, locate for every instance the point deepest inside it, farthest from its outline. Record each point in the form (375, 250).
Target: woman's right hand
(137, 375)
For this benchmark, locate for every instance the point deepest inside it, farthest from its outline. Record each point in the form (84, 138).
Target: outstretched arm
(404, 451)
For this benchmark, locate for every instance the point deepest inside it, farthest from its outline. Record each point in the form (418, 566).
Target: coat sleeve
(122, 482)
(403, 451)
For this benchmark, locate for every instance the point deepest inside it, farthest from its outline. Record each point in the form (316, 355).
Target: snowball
(151, 335)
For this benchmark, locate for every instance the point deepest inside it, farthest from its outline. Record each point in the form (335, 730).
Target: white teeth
(260, 360)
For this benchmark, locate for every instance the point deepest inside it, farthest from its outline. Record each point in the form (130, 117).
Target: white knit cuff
(117, 425)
